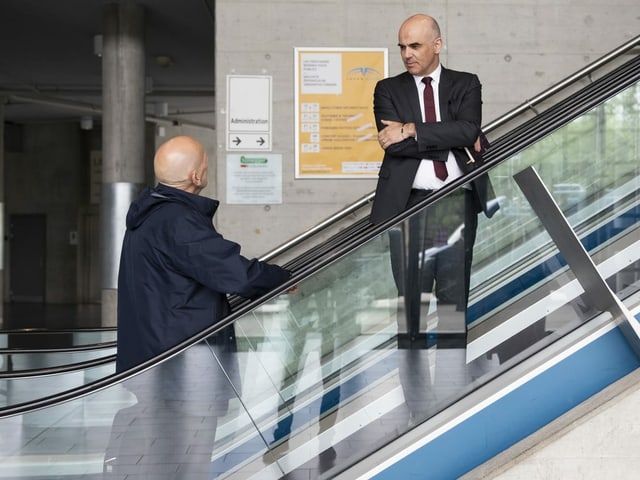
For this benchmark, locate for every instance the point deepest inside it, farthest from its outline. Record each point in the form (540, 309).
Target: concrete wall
(518, 48)
(46, 172)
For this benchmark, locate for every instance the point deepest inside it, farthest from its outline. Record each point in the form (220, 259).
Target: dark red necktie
(430, 116)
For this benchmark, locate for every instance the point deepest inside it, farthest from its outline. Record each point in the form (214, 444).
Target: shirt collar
(435, 76)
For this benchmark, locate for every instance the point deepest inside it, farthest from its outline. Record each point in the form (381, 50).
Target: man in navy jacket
(175, 268)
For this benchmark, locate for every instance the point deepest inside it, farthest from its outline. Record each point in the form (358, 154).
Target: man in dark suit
(430, 132)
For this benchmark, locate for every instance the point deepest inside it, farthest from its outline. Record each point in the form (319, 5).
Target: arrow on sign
(248, 141)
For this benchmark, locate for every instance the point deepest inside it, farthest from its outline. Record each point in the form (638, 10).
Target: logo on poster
(364, 73)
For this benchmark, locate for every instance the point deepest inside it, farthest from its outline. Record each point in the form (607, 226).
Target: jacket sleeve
(203, 254)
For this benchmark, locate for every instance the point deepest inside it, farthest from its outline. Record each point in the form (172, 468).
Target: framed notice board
(335, 131)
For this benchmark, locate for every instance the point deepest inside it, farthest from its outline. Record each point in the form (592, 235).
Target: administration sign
(249, 113)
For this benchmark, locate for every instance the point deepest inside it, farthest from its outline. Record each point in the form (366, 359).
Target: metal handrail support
(599, 294)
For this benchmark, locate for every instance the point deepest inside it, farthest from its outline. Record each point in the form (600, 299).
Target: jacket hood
(150, 199)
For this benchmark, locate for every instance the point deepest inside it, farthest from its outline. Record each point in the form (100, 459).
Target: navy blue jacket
(175, 272)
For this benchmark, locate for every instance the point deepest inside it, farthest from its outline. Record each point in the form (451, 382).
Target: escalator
(31, 357)
(314, 385)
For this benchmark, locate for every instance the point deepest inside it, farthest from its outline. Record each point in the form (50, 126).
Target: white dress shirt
(425, 178)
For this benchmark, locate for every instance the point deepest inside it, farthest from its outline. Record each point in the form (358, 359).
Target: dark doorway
(27, 255)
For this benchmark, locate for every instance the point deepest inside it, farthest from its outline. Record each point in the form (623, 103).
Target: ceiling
(49, 71)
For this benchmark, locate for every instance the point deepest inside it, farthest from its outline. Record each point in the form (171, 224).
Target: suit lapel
(444, 92)
(410, 92)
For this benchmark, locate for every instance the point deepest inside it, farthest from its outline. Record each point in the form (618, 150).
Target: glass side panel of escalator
(332, 375)
(17, 389)
(15, 364)
(307, 384)
(591, 168)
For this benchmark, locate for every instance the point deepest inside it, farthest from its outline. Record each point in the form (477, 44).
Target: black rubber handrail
(70, 367)
(78, 348)
(36, 330)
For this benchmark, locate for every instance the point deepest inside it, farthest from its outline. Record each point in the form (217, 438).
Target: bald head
(427, 25)
(181, 162)
(420, 43)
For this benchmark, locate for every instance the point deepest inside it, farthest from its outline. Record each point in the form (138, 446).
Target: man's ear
(195, 178)
(437, 44)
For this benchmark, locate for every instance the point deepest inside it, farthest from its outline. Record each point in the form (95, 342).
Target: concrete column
(2, 209)
(123, 136)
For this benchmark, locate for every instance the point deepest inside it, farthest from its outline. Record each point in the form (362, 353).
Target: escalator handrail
(67, 368)
(74, 349)
(336, 217)
(51, 331)
(563, 84)
(521, 109)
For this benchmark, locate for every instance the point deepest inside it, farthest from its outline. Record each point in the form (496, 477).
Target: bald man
(175, 268)
(428, 118)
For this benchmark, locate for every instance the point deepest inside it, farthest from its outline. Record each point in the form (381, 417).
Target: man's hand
(393, 132)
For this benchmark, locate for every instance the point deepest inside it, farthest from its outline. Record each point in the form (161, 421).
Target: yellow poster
(336, 134)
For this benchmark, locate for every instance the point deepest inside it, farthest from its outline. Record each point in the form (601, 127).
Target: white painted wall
(518, 48)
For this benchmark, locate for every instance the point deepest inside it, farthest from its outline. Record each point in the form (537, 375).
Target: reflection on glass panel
(184, 419)
(66, 441)
(302, 352)
(178, 419)
(20, 362)
(99, 336)
(20, 390)
(13, 357)
(590, 167)
(56, 339)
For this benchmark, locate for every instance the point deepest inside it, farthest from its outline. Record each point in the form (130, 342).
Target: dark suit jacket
(397, 99)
